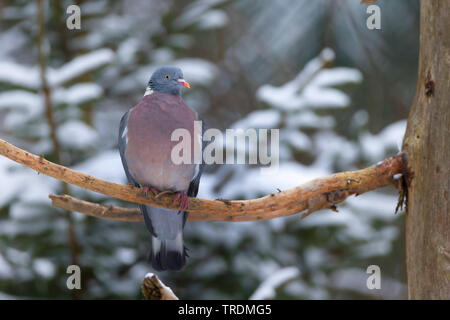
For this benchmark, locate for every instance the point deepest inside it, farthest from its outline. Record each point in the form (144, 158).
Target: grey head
(167, 80)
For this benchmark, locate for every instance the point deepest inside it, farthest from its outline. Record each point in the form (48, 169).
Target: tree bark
(427, 146)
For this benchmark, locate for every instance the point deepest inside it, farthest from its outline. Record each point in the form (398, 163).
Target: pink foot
(184, 202)
(153, 190)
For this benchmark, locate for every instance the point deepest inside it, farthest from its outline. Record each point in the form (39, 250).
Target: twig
(278, 204)
(154, 289)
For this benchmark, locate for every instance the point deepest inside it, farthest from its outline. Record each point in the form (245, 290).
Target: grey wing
(193, 186)
(123, 146)
(122, 149)
(195, 183)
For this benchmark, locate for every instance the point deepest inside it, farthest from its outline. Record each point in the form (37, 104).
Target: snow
(35, 188)
(28, 77)
(300, 289)
(19, 13)
(78, 93)
(79, 66)
(20, 100)
(213, 19)
(78, 135)
(354, 227)
(94, 7)
(18, 257)
(211, 267)
(126, 255)
(163, 55)
(331, 149)
(105, 165)
(18, 75)
(259, 119)
(355, 279)
(327, 55)
(267, 289)
(308, 119)
(336, 76)
(89, 41)
(197, 71)
(281, 97)
(22, 106)
(23, 211)
(380, 245)
(319, 97)
(24, 184)
(4, 296)
(180, 40)
(356, 216)
(310, 87)
(305, 92)
(391, 137)
(360, 118)
(289, 175)
(315, 257)
(298, 140)
(127, 51)
(215, 235)
(201, 12)
(372, 147)
(12, 228)
(6, 270)
(383, 210)
(15, 40)
(44, 268)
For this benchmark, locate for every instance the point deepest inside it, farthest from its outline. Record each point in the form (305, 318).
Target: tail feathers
(168, 254)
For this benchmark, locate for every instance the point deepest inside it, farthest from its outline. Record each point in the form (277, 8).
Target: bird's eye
(167, 76)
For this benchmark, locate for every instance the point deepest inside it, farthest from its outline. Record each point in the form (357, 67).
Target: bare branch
(96, 210)
(314, 195)
(154, 289)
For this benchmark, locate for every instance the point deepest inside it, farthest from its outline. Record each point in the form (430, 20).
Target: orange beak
(184, 83)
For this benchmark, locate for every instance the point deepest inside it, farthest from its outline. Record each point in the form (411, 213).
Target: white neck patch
(148, 91)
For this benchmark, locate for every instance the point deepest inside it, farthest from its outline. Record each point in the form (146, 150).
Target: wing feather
(123, 140)
(195, 182)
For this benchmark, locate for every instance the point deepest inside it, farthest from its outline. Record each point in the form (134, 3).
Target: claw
(151, 189)
(182, 196)
(158, 195)
(145, 189)
(184, 202)
(178, 195)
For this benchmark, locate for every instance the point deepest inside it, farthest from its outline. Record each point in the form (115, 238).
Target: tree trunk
(427, 146)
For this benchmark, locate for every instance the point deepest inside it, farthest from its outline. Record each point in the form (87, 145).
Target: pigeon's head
(167, 80)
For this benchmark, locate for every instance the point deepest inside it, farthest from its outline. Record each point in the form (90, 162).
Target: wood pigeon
(145, 149)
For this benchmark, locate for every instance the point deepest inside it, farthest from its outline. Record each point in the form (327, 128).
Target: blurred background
(338, 92)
